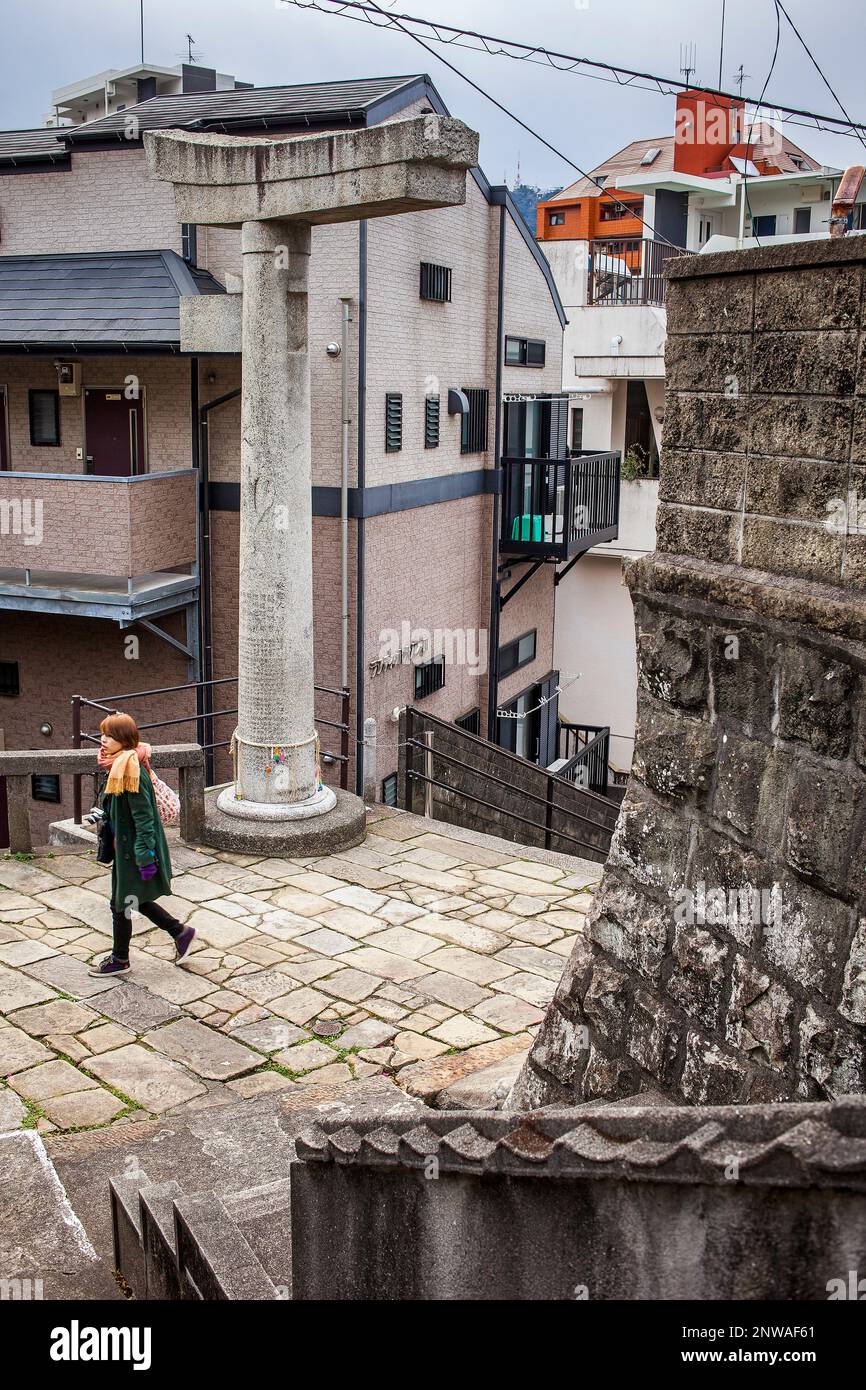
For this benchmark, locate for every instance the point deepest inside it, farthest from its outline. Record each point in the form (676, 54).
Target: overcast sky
(48, 43)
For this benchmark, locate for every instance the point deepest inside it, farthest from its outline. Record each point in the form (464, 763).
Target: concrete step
(45, 1251)
(215, 1260)
(485, 1089)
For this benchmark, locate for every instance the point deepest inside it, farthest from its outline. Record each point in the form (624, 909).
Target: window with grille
(471, 722)
(393, 422)
(45, 787)
(435, 282)
(473, 439)
(9, 682)
(515, 654)
(44, 417)
(525, 352)
(389, 790)
(431, 422)
(429, 677)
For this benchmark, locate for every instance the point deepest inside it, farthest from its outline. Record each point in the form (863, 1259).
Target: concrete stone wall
(726, 957)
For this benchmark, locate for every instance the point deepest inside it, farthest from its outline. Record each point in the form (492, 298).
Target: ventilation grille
(393, 422)
(431, 422)
(435, 282)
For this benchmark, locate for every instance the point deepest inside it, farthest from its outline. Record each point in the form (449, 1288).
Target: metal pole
(428, 773)
(76, 743)
(344, 497)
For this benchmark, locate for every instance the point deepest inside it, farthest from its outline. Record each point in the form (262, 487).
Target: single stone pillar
(275, 754)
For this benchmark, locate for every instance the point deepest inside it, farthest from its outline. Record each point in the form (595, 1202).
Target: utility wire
(629, 208)
(814, 61)
(763, 90)
(373, 14)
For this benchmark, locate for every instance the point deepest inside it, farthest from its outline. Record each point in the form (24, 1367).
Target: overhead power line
(447, 35)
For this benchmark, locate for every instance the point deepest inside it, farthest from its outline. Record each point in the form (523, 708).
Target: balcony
(119, 548)
(555, 509)
(628, 270)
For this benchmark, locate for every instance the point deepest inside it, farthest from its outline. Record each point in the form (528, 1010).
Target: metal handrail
(79, 737)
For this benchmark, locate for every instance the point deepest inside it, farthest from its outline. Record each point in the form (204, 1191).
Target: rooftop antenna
(688, 63)
(722, 44)
(190, 41)
(141, 27)
(740, 77)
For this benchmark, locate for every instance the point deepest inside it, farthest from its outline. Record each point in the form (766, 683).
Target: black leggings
(122, 926)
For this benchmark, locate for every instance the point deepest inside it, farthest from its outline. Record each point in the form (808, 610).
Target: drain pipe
(344, 496)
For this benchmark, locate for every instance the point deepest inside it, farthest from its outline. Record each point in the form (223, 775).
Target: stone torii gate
(275, 191)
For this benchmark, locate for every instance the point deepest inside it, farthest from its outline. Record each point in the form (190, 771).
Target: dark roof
(111, 300)
(313, 103)
(25, 146)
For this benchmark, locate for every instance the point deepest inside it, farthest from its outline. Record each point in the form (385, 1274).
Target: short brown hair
(122, 728)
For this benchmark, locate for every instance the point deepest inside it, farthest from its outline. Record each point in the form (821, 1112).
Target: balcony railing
(558, 508)
(583, 751)
(628, 270)
(82, 524)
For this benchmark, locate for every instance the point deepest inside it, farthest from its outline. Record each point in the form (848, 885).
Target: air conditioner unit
(68, 378)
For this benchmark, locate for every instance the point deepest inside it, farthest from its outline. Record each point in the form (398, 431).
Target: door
(4, 816)
(802, 220)
(113, 433)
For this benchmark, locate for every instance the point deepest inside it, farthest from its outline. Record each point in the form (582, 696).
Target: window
(471, 722)
(189, 242)
(9, 682)
(556, 219)
(431, 422)
(515, 654)
(389, 790)
(44, 417)
(651, 155)
(615, 212)
(435, 282)
(429, 677)
(599, 180)
(765, 225)
(393, 422)
(473, 438)
(577, 428)
(802, 220)
(44, 787)
(525, 352)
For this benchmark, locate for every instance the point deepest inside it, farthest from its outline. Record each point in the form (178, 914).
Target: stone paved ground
(422, 943)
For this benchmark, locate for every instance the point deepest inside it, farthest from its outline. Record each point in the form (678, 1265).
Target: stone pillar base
(318, 832)
(320, 803)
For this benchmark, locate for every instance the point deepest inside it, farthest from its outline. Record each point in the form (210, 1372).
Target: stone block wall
(725, 960)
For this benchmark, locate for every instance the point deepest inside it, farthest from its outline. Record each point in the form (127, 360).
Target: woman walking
(141, 870)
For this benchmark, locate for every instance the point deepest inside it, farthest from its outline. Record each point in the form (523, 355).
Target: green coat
(138, 835)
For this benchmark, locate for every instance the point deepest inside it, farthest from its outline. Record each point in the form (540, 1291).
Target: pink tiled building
(119, 489)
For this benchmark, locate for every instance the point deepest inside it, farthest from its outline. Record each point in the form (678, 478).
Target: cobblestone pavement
(422, 954)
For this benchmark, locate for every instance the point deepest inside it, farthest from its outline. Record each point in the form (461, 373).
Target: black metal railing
(467, 781)
(107, 704)
(586, 750)
(628, 270)
(559, 507)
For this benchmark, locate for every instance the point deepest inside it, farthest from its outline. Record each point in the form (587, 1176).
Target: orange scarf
(125, 768)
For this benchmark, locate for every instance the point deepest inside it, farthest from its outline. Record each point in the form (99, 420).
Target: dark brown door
(4, 456)
(113, 433)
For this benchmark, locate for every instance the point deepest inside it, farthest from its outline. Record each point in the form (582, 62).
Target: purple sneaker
(183, 942)
(110, 966)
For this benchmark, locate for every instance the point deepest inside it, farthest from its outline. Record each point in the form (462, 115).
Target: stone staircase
(169, 1245)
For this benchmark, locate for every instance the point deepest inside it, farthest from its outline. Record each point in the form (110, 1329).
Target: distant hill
(526, 196)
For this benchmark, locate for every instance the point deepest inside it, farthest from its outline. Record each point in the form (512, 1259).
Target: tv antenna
(688, 61)
(191, 58)
(740, 77)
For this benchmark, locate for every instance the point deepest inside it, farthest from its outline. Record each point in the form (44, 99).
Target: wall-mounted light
(46, 729)
(333, 349)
